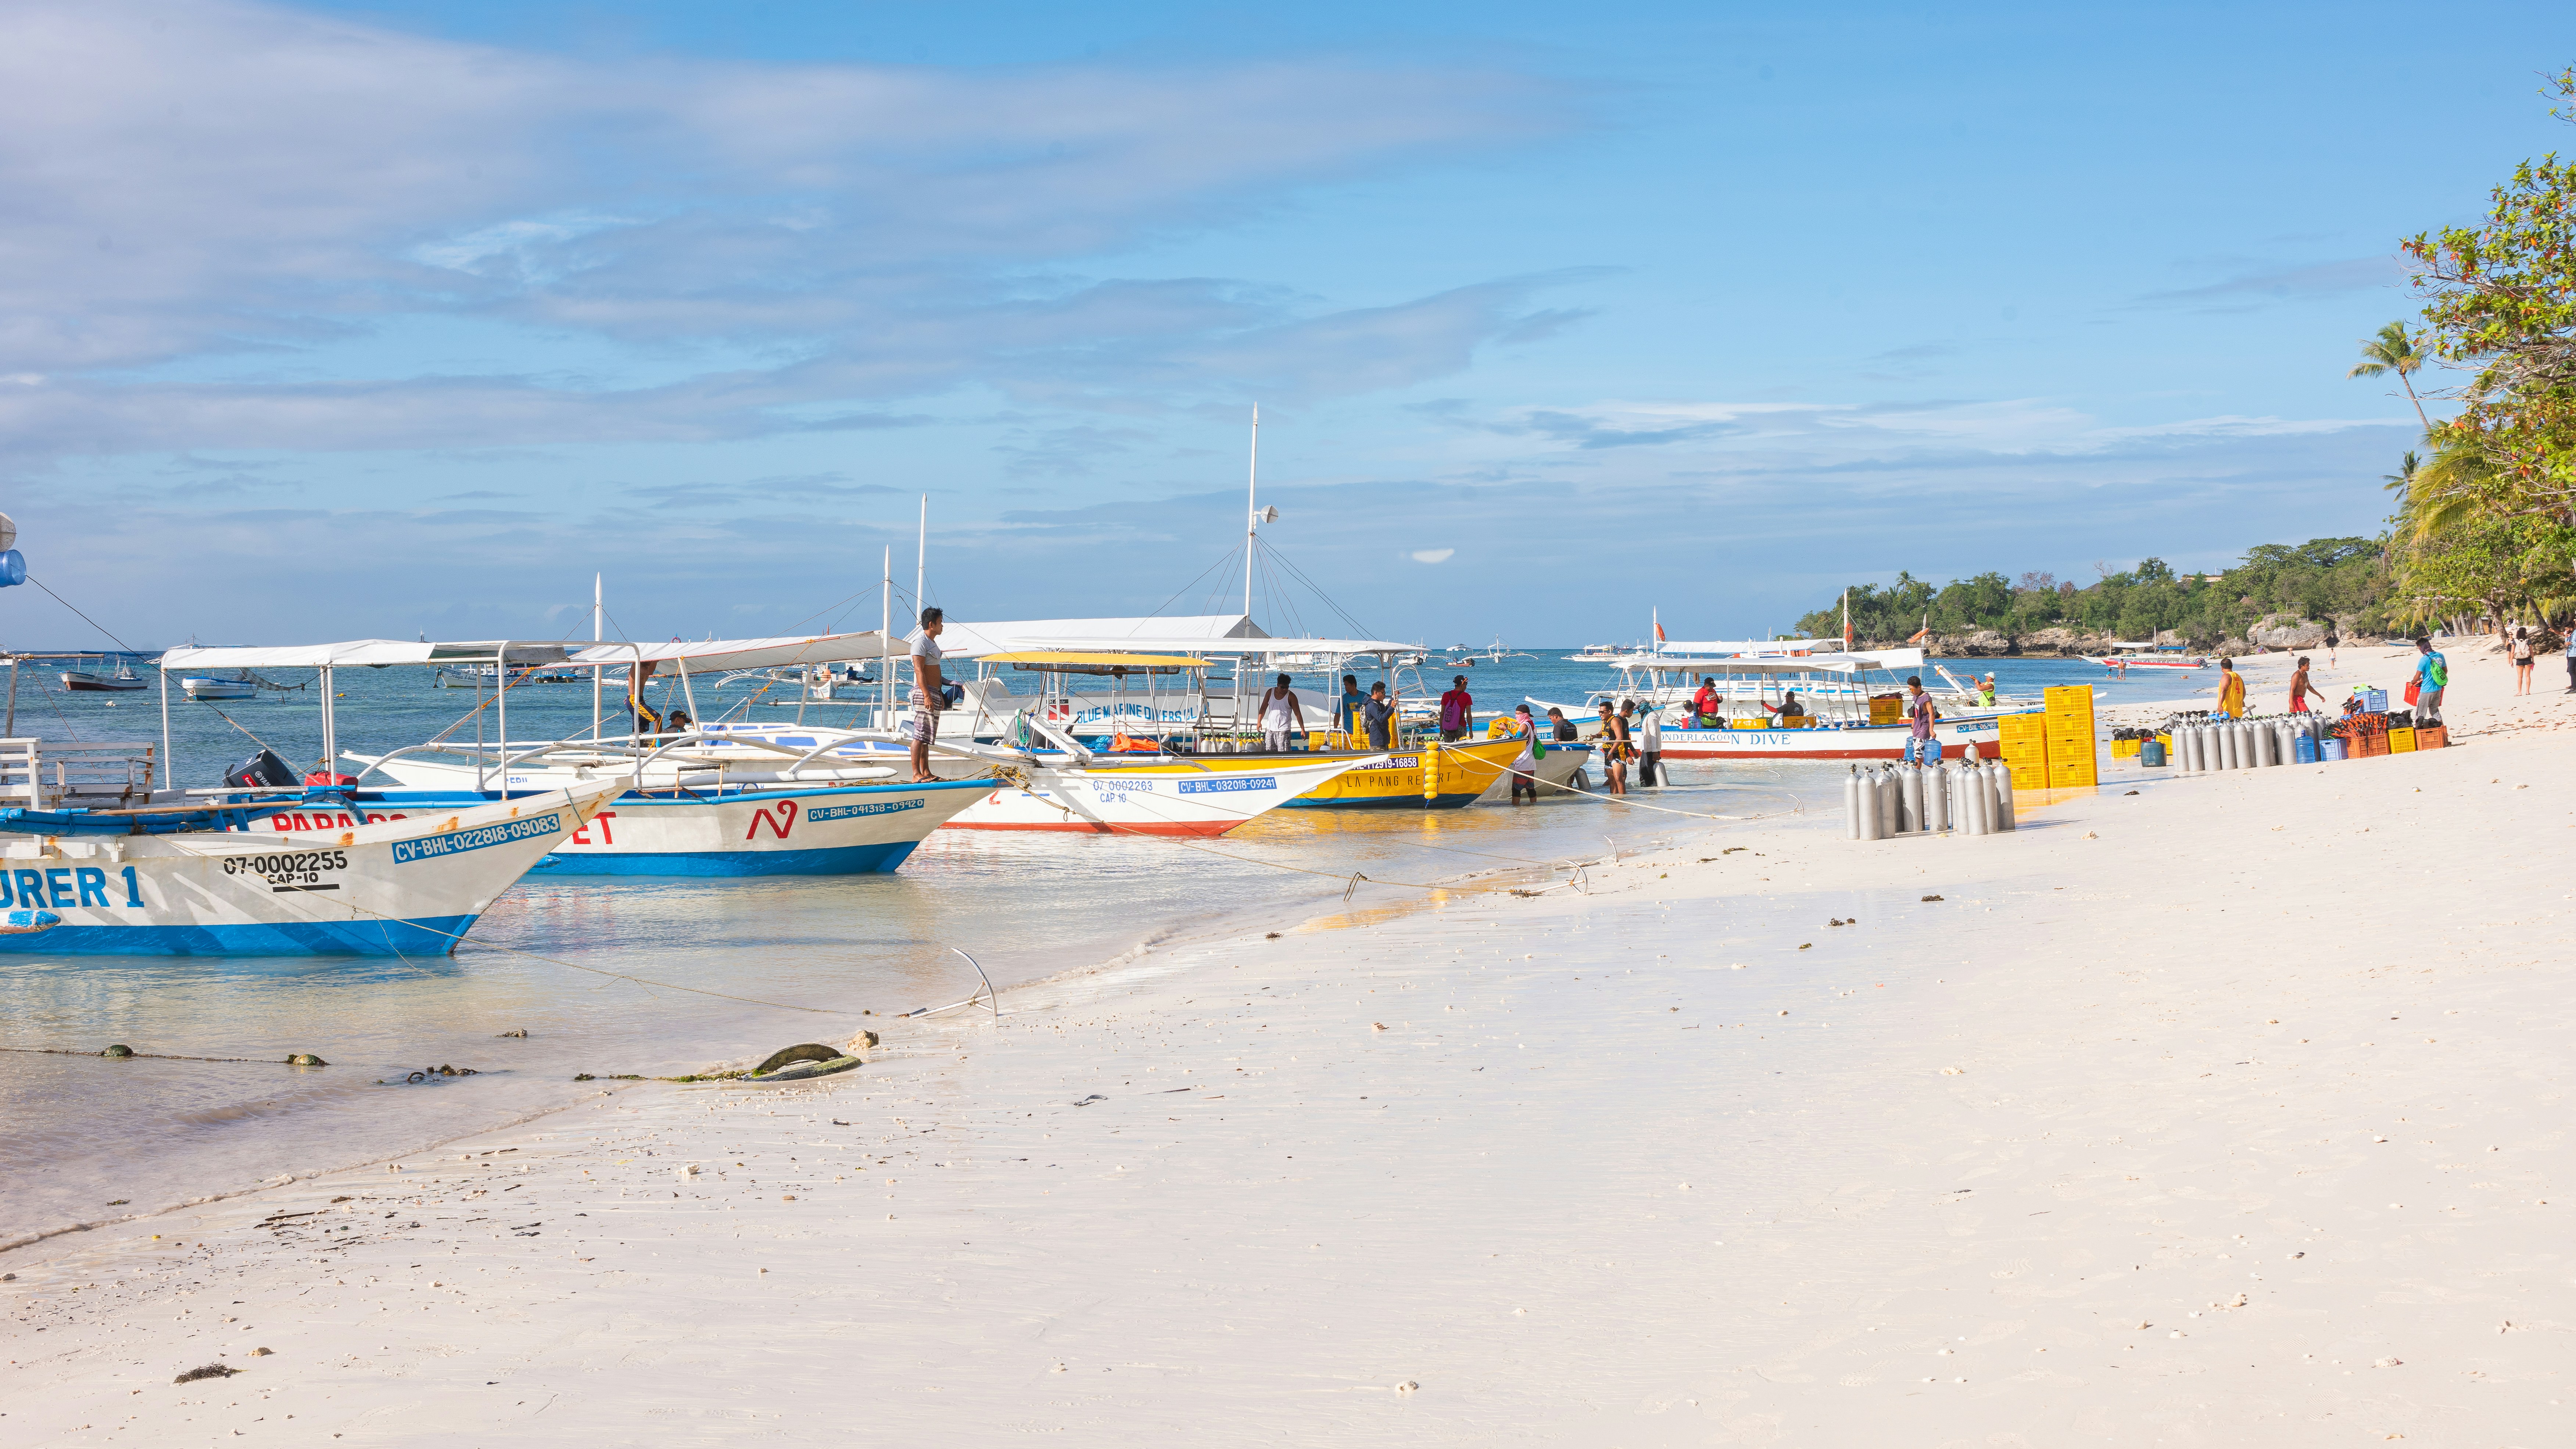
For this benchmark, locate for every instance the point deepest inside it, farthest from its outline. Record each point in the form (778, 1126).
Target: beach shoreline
(2264, 1060)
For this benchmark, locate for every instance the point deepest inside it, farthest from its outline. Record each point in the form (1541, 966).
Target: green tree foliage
(2324, 578)
(2501, 299)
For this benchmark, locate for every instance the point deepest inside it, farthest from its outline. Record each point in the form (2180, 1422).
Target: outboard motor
(264, 769)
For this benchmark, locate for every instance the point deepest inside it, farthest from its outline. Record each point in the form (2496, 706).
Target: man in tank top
(1281, 716)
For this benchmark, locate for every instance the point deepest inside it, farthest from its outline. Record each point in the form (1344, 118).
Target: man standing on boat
(1378, 713)
(929, 691)
(1281, 716)
(1352, 700)
(1457, 709)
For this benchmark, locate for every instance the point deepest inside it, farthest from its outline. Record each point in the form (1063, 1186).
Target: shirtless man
(2300, 688)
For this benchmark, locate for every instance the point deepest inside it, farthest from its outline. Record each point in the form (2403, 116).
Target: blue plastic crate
(2374, 701)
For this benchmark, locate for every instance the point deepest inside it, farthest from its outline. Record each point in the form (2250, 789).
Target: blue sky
(334, 320)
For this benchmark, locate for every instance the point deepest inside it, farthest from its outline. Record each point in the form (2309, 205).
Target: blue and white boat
(202, 880)
(694, 802)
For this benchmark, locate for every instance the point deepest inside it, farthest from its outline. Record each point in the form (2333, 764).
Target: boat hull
(1851, 742)
(2116, 662)
(1203, 799)
(1458, 774)
(411, 887)
(102, 684)
(787, 830)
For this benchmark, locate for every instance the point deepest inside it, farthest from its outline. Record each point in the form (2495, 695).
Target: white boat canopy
(1238, 648)
(1882, 659)
(973, 641)
(1751, 646)
(356, 653)
(745, 653)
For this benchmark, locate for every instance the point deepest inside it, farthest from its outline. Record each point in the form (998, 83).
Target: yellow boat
(1429, 776)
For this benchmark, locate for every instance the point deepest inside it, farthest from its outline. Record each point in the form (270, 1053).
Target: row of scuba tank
(1963, 797)
(2243, 744)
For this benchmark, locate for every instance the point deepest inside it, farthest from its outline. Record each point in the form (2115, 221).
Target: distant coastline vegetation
(2325, 579)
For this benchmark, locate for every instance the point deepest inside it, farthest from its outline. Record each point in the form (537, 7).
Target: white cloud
(1827, 431)
(1432, 555)
(199, 177)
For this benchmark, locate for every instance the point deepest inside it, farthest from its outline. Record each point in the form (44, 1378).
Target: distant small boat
(203, 686)
(122, 681)
(2142, 658)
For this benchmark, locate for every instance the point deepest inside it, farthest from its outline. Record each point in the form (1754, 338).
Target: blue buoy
(2151, 754)
(13, 567)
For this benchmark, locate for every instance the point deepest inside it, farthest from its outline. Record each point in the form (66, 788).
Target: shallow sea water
(593, 971)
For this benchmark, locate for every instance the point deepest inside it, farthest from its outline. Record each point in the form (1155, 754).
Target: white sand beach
(2231, 1111)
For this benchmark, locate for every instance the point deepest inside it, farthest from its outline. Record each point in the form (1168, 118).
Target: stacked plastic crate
(2068, 726)
(2025, 743)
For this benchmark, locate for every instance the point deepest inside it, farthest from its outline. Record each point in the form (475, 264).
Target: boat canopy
(747, 653)
(1247, 648)
(1882, 659)
(370, 653)
(1093, 663)
(1185, 632)
(1751, 646)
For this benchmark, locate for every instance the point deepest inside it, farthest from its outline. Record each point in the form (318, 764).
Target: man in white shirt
(1650, 746)
(1281, 716)
(927, 691)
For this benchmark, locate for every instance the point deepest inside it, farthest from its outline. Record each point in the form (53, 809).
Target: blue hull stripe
(838, 860)
(431, 936)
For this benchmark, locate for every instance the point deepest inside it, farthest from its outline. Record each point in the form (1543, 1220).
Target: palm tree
(2404, 478)
(2392, 349)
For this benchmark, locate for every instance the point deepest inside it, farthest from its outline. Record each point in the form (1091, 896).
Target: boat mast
(885, 661)
(1251, 510)
(596, 635)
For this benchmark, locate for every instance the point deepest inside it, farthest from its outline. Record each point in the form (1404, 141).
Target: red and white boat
(2148, 659)
(1808, 699)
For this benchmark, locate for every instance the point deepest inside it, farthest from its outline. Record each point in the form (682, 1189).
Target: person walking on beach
(1457, 709)
(1519, 726)
(2522, 661)
(1650, 746)
(2300, 687)
(1377, 712)
(1281, 715)
(2231, 690)
(2432, 675)
(1613, 739)
(1920, 746)
(2331, 642)
(929, 691)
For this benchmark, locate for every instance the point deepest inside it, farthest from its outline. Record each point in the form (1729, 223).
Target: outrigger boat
(2152, 659)
(1199, 720)
(688, 803)
(1811, 703)
(83, 875)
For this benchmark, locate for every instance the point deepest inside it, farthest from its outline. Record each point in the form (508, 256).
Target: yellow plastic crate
(1752, 724)
(2069, 697)
(2029, 777)
(2401, 742)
